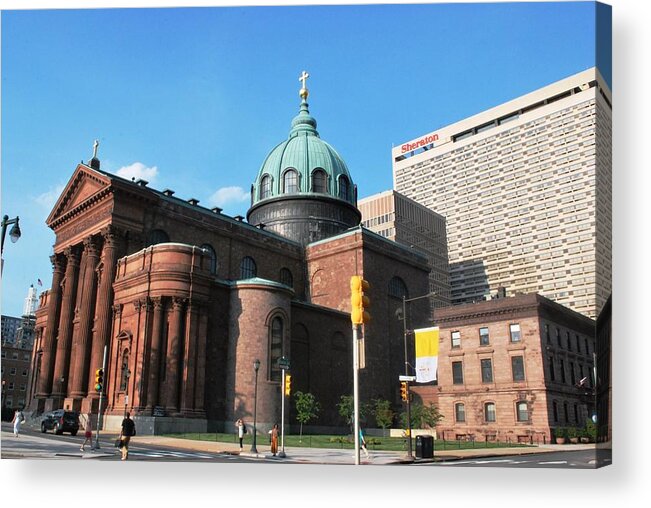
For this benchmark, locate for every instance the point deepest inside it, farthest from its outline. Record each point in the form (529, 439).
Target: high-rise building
(10, 326)
(398, 218)
(525, 188)
(31, 302)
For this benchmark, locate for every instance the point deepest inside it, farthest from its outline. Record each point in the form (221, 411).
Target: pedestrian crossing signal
(99, 380)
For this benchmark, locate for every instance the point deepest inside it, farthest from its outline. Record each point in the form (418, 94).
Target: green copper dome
(303, 164)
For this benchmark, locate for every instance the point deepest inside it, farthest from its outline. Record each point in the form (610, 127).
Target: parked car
(61, 421)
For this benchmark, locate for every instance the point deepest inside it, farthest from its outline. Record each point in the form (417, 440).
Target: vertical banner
(427, 354)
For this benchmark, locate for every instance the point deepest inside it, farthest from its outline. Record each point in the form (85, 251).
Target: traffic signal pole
(356, 390)
(359, 305)
(99, 408)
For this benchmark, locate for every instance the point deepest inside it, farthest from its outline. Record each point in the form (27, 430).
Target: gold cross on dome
(303, 77)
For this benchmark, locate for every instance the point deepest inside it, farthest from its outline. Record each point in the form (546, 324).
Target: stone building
(185, 298)
(512, 369)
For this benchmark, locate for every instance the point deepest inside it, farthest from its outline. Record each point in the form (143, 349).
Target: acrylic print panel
(196, 304)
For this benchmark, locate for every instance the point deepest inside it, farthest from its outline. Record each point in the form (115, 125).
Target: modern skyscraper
(398, 218)
(525, 188)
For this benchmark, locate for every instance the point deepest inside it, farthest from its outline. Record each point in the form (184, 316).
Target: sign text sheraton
(426, 140)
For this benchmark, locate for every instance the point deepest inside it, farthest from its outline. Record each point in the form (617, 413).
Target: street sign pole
(283, 363)
(282, 416)
(101, 397)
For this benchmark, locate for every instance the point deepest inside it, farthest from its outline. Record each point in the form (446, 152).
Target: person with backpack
(241, 430)
(128, 431)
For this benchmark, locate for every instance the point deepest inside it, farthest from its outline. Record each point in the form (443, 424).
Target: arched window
(248, 268)
(522, 411)
(343, 187)
(398, 288)
(319, 180)
(265, 187)
(212, 257)
(157, 236)
(489, 412)
(124, 370)
(460, 412)
(286, 277)
(275, 348)
(290, 182)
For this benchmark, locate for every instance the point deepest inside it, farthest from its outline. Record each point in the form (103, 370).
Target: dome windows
(344, 188)
(319, 181)
(265, 187)
(290, 181)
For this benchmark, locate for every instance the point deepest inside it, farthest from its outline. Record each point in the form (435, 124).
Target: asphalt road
(579, 459)
(35, 445)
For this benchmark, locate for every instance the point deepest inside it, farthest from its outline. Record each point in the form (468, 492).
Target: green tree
(307, 408)
(383, 413)
(422, 416)
(346, 408)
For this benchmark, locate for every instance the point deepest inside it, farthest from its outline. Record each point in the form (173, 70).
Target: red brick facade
(530, 378)
(186, 298)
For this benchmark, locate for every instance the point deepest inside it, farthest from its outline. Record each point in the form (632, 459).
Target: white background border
(188, 484)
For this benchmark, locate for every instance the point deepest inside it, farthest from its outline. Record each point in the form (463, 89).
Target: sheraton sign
(426, 140)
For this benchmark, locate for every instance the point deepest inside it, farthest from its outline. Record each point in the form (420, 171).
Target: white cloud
(48, 199)
(138, 171)
(227, 195)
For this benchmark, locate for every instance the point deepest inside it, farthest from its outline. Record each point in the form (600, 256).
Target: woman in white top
(19, 418)
(240, 431)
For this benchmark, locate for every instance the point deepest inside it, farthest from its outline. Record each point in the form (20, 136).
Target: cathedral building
(185, 300)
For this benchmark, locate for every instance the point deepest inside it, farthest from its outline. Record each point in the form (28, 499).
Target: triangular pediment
(84, 185)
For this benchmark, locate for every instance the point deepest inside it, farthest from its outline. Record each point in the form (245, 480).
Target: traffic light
(359, 302)
(99, 380)
(403, 390)
(288, 384)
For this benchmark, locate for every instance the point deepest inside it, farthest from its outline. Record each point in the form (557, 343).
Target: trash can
(424, 447)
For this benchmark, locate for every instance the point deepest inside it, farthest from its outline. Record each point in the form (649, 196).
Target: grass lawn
(343, 442)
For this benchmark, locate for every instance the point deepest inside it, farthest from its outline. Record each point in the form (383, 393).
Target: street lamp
(256, 367)
(405, 333)
(14, 234)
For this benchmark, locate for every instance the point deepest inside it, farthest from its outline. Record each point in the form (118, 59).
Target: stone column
(106, 275)
(81, 362)
(155, 356)
(44, 387)
(64, 339)
(199, 394)
(189, 354)
(174, 352)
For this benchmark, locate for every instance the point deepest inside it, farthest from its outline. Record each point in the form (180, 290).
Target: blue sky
(193, 99)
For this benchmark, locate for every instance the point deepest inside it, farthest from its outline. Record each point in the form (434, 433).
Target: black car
(61, 421)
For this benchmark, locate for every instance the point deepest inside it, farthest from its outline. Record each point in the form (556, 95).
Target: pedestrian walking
(88, 433)
(241, 430)
(274, 439)
(362, 442)
(127, 432)
(19, 419)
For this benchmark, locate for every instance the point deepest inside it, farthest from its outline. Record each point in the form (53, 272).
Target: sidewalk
(345, 456)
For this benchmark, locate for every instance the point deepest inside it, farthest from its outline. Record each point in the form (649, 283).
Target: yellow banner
(427, 342)
(427, 353)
